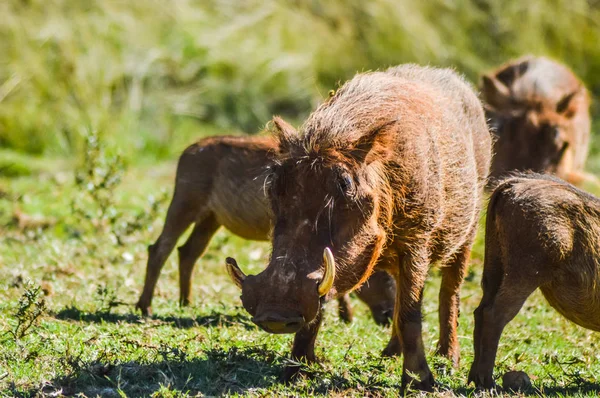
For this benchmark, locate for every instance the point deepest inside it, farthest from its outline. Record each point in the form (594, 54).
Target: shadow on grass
(214, 319)
(583, 387)
(575, 389)
(217, 373)
(255, 370)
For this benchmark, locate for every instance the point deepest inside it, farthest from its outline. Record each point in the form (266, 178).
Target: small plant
(106, 299)
(98, 179)
(125, 226)
(101, 173)
(30, 308)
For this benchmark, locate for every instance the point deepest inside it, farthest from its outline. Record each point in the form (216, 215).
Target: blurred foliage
(151, 75)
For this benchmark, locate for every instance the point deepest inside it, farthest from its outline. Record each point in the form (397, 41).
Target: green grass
(90, 341)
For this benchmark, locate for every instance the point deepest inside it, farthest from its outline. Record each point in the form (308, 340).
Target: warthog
(540, 232)
(220, 182)
(539, 111)
(388, 171)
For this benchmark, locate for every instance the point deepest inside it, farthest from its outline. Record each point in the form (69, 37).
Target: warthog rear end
(539, 111)
(387, 173)
(540, 232)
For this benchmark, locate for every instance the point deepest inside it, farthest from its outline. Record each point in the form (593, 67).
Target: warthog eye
(551, 133)
(346, 184)
(272, 183)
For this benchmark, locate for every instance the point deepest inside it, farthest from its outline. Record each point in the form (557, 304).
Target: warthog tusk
(329, 276)
(235, 273)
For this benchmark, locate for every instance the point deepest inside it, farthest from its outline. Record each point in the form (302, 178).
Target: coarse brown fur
(540, 232)
(539, 111)
(389, 171)
(220, 182)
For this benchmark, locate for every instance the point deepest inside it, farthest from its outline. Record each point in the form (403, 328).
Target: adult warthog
(220, 182)
(388, 171)
(539, 111)
(540, 232)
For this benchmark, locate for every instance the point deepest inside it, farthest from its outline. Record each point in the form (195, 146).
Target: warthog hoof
(292, 373)
(184, 302)
(481, 381)
(383, 318)
(393, 348)
(425, 384)
(452, 355)
(146, 310)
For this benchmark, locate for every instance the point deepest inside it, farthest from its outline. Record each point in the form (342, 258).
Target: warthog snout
(383, 316)
(278, 323)
(278, 303)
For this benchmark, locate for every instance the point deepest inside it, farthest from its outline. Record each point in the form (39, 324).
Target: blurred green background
(151, 76)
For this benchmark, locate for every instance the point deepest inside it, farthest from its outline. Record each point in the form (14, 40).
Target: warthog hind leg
(189, 253)
(452, 277)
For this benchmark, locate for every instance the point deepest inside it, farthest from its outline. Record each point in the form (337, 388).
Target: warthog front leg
(304, 346)
(410, 283)
(189, 253)
(179, 217)
(503, 297)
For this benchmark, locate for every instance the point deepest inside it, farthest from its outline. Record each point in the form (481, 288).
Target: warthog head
(531, 105)
(328, 203)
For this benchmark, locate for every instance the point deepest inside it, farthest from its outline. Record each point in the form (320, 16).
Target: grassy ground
(85, 337)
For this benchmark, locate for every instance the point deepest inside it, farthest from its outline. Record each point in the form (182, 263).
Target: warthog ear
(495, 86)
(373, 144)
(495, 93)
(284, 132)
(568, 104)
(512, 72)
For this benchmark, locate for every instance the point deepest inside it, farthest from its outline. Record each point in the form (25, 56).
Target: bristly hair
(361, 106)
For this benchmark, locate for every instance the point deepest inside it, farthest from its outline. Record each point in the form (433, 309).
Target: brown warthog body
(539, 111)
(220, 182)
(540, 232)
(388, 171)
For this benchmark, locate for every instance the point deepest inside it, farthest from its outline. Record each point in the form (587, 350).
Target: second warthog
(539, 111)
(540, 233)
(221, 182)
(388, 172)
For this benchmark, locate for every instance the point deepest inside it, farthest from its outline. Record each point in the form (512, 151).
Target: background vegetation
(98, 97)
(154, 74)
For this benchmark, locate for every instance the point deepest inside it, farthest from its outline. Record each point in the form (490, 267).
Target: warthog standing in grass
(540, 232)
(220, 182)
(388, 171)
(539, 111)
